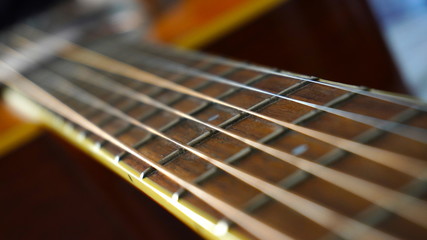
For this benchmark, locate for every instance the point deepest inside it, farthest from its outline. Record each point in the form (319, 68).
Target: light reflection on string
(252, 225)
(319, 214)
(393, 201)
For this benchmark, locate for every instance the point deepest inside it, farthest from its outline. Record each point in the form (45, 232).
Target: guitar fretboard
(263, 153)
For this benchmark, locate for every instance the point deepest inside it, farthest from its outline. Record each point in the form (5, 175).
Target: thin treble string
(393, 160)
(317, 213)
(391, 200)
(252, 225)
(411, 132)
(415, 133)
(409, 165)
(199, 55)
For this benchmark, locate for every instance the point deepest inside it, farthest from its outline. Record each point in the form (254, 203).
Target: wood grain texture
(50, 190)
(335, 40)
(190, 167)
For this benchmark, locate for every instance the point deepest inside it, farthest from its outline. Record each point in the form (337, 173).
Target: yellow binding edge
(193, 217)
(224, 24)
(16, 136)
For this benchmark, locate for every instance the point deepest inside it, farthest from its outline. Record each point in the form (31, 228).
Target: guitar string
(374, 232)
(411, 132)
(397, 161)
(397, 100)
(377, 194)
(218, 59)
(388, 158)
(249, 223)
(317, 213)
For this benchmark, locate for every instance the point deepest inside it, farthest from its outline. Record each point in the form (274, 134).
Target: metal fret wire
(327, 159)
(375, 193)
(258, 202)
(252, 225)
(210, 172)
(167, 126)
(397, 161)
(108, 119)
(203, 136)
(129, 107)
(252, 112)
(261, 200)
(199, 55)
(375, 215)
(180, 53)
(317, 213)
(409, 165)
(411, 132)
(226, 161)
(246, 151)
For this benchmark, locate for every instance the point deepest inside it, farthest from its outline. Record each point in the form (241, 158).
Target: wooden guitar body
(52, 190)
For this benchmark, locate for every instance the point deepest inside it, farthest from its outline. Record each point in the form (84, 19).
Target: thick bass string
(405, 205)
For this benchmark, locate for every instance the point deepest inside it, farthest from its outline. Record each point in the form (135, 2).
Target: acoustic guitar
(232, 149)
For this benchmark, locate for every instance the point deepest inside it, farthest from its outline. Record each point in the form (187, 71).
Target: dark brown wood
(224, 148)
(190, 167)
(332, 39)
(50, 190)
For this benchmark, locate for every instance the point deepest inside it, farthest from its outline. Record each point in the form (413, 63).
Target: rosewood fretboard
(175, 123)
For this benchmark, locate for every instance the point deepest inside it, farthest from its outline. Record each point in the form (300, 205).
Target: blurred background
(51, 191)
(376, 43)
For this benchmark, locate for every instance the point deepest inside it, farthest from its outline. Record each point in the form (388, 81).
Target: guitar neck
(233, 149)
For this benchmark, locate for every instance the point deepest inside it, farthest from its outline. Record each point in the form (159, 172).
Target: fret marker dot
(213, 117)
(300, 149)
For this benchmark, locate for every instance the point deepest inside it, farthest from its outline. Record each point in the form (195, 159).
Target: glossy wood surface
(236, 192)
(50, 190)
(332, 39)
(120, 206)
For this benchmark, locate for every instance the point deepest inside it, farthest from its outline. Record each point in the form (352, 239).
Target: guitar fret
(175, 122)
(149, 136)
(205, 66)
(375, 215)
(259, 201)
(409, 132)
(231, 160)
(109, 119)
(130, 107)
(362, 90)
(329, 158)
(60, 66)
(246, 151)
(256, 106)
(205, 135)
(186, 137)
